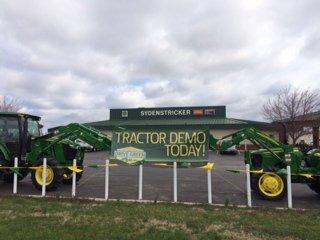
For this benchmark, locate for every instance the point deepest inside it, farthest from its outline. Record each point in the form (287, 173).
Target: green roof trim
(217, 123)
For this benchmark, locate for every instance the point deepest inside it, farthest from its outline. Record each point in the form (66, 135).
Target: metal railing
(208, 168)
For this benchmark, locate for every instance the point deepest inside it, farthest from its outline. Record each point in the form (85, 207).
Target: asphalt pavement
(227, 187)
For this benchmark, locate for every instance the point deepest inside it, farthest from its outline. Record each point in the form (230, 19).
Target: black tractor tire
(6, 175)
(67, 176)
(54, 173)
(257, 187)
(315, 185)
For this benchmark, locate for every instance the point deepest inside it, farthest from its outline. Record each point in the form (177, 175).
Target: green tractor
(272, 158)
(21, 137)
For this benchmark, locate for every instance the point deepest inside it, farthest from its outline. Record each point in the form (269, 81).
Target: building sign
(165, 112)
(162, 145)
(168, 113)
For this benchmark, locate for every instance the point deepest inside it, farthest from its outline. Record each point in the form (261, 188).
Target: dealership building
(213, 117)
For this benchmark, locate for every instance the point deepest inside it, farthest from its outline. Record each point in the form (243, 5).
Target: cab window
(9, 129)
(33, 128)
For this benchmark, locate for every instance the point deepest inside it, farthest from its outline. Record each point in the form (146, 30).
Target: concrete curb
(151, 201)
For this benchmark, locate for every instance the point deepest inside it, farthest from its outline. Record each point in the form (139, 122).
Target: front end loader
(60, 148)
(268, 163)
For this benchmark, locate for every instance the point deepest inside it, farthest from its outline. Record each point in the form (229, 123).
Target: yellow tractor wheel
(49, 177)
(53, 178)
(270, 186)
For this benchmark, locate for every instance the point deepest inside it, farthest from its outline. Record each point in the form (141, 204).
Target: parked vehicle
(272, 158)
(230, 151)
(21, 137)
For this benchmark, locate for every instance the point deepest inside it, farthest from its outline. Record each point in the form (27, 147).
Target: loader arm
(255, 136)
(69, 135)
(75, 131)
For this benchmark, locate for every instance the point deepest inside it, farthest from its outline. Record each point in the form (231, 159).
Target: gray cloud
(71, 61)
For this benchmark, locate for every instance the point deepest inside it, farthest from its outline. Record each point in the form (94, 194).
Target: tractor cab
(16, 132)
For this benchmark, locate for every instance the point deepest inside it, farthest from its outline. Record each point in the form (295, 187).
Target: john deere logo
(124, 113)
(130, 155)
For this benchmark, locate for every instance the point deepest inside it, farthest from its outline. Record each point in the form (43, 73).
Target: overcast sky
(70, 61)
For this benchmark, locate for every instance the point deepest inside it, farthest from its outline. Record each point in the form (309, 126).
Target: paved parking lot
(158, 184)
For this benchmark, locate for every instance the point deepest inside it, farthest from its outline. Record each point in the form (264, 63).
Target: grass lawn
(30, 218)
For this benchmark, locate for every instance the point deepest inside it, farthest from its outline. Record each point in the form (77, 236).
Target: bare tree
(9, 104)
(291, 105)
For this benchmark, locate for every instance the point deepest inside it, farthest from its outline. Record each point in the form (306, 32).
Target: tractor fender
(5, 152)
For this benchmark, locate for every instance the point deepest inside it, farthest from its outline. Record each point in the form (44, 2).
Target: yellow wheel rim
(271, 184)
(49, 178)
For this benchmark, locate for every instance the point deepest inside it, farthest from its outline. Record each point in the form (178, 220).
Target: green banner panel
(160, 145)
(207, 112)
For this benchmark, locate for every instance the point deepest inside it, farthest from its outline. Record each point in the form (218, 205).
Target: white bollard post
(209, 186)
(106, 184)
(74, 179)
(249, 202)
(44, 177)
(140, 181)
(175, 197)
(289, 189)
(15, 176)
